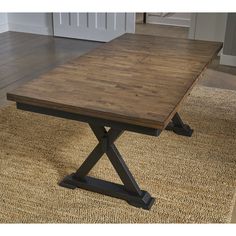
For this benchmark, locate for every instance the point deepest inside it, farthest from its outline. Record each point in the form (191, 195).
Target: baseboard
(3, 28)
(155, 19)
(33, 29)
(228, 60)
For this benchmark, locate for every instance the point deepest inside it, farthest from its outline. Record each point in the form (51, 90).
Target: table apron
(88, 119)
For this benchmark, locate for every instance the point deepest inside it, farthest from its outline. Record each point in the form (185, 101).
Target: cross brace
(129, 192)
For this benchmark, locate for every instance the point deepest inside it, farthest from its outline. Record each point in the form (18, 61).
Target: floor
(162, 30)
(26, 56)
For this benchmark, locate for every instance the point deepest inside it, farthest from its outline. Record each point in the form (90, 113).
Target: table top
(134, 79)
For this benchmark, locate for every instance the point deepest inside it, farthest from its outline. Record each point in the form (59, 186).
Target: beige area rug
(193, 179)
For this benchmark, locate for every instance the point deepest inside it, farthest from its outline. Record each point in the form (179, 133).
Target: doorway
(163, 24)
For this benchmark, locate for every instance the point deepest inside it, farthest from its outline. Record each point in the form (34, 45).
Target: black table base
(144, 200)
(129, 191)
(178, 126)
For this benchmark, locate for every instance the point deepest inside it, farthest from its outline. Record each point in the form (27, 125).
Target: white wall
(208, 26)
(37, 23)
(228, 56)
(93, 26)
(204, 26)
(177, 19)
(3, 22)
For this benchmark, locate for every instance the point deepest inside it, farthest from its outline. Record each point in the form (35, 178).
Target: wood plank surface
(22, 62)
(135, 79)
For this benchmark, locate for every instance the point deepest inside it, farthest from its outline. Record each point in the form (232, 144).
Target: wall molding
(4, 28)
(228, 60)
(171, 20)
(33, 29)
(192, 27)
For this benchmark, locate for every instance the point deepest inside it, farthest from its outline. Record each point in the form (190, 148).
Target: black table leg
(129, 192)
(178, 126)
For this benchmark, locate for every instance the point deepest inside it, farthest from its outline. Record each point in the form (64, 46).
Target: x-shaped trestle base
(129, 192)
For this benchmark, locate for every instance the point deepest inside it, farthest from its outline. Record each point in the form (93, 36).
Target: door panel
(93, 26)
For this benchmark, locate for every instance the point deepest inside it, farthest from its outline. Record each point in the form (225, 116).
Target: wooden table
(135, 83)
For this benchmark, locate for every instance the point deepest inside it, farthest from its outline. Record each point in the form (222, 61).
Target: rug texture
(193, 179)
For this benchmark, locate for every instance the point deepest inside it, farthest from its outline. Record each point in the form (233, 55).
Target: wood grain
(21, 62)
(135, 79)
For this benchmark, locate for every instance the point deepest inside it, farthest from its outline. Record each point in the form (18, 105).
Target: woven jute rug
(193, 179)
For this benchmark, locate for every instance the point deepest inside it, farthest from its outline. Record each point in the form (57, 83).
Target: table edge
(112, 116)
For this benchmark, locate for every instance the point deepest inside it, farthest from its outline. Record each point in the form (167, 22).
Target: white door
(93, 26)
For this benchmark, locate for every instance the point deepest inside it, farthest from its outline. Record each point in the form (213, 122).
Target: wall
(177, 19)
(37, 23)
(230, 35)
(229, 50)
(3, 22)
(208, 26)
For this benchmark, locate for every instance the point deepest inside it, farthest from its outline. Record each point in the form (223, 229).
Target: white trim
(3, 28)
(192, 28)
(130, 22)
(111, 30)
(33, 29)
(228, 60)
(175, 21)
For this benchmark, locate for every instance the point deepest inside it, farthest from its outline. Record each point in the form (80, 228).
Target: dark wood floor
(161, 30)
(26, 56)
